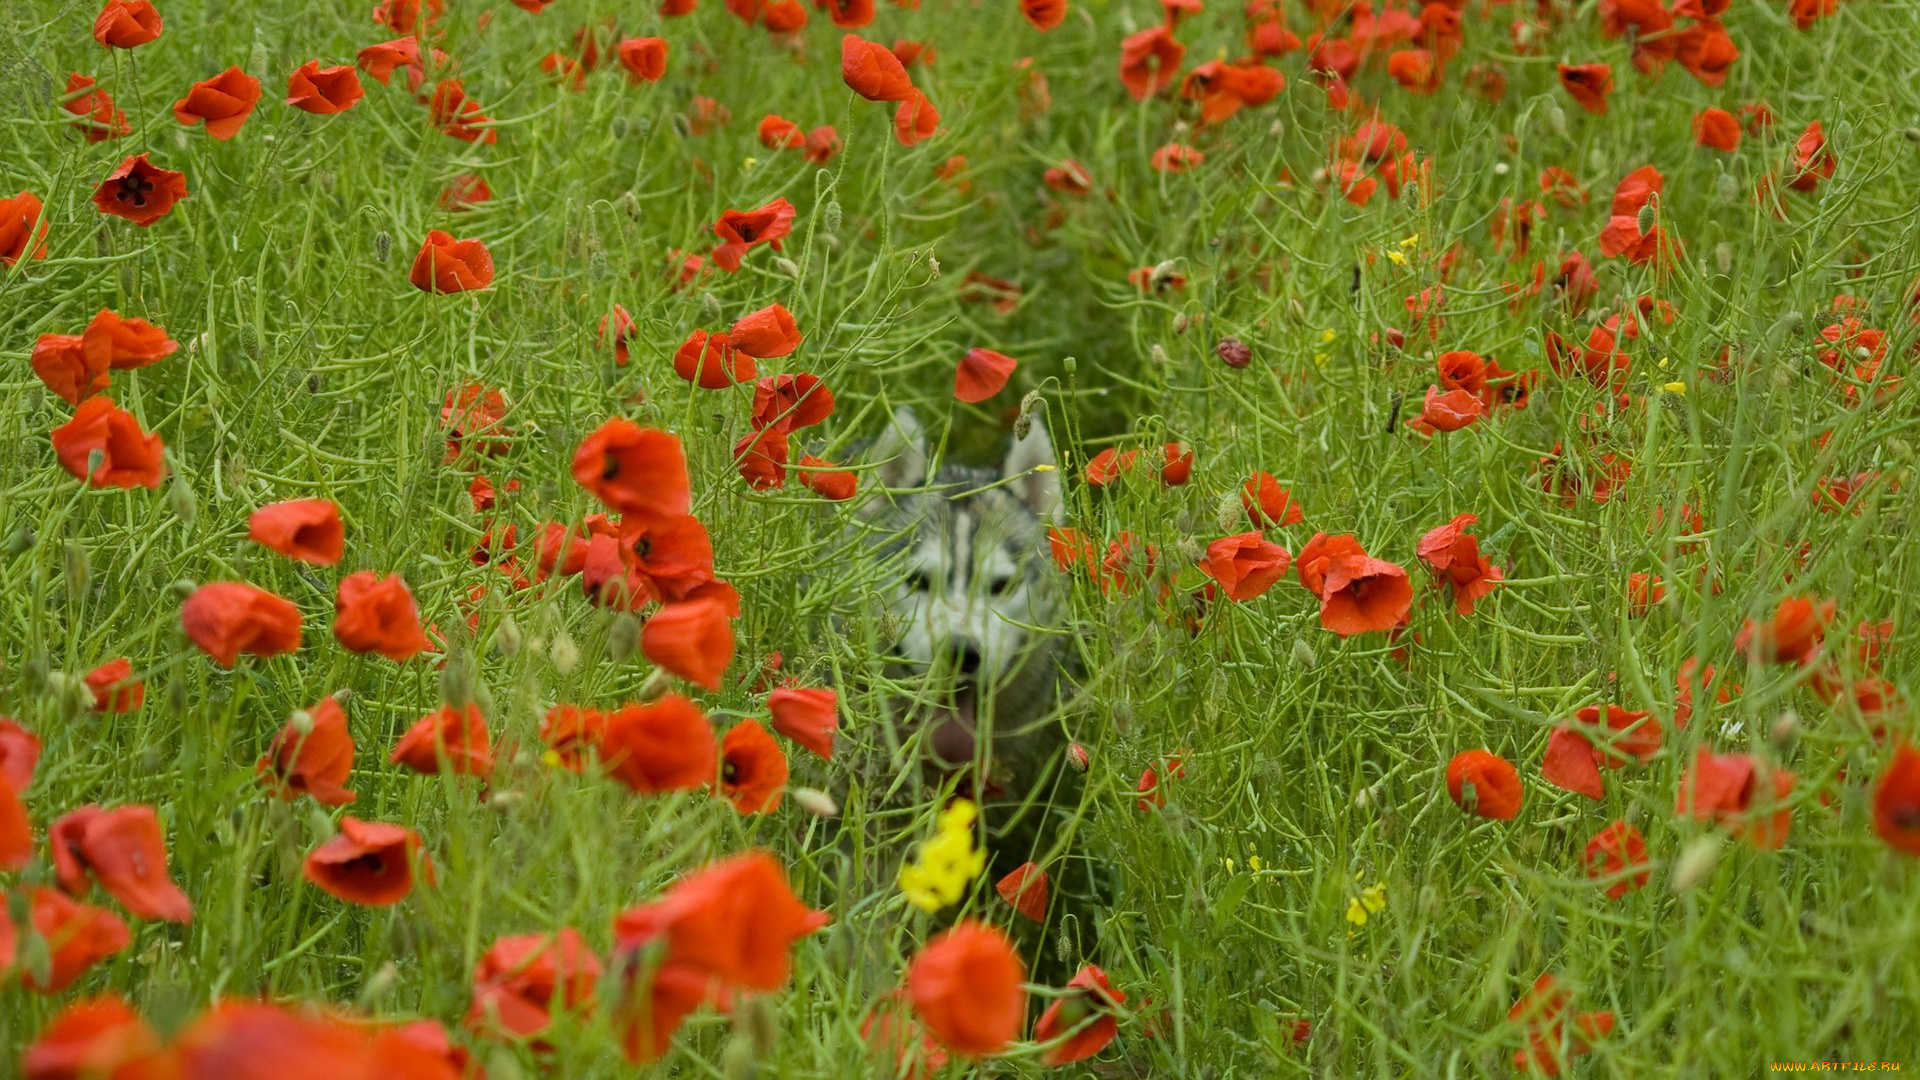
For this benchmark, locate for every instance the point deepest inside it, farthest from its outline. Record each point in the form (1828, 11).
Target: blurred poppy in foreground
(227, 618)
(966, 986)
(124, 850)
(1083, 1017)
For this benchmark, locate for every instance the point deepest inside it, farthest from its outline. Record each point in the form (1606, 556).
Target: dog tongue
(953, 734)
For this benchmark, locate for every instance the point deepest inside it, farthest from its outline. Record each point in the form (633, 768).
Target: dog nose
(966, 657)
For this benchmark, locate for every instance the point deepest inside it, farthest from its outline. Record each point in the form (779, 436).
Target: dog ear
(902, 451)
(1034, 471)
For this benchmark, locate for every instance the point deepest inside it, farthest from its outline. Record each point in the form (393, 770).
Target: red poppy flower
(369, 862)
(664, 746)
(458, 115)
(408, 16)
(1571, 763)
(64, 366)
(1896, 801)
(847, 14)
(711, 362)
(1025, 888)
(126, 24)
(227, 618)
(16, 832)
(376, 614)
(94, 1037)
(451, 738)
(871, 70)
(1450, 411)
(1150, 61)
(140, 191)
(379, 61)
(1453, 554)
(1268, 505)
(446, 265)
(761, 459)
(305, 529)
(644, 58)
(779, 133)
(915, 121)
(1176, 158)
(693, 640)
(99, 119)
(1542, 1014)
(1416, 70)
(807, 716)
(19, 752)
(1358, 593)
(124, 850)
(23, 229)
(823, 143)
(1044, 14)
(733, 921)
(1791, 636)
(114, 688)
(312, 755)
(966, 986)
(1589, 84)
(224, 102)
(1109, 465)
(900, 1043)
(124, 344)
(634, 470)
(1496, 786)
(1618, 855)
(324, 91)
(791, 402)
(522, 980)
(128, 456)
(982, 373)
(826, 480)
(1245, 565)
(1813, 161)
(1716, 128)
(1726, 789)
(765, 334)
(753, 768)
(1085, 1019)
(566, 70)
(78, 936)
(570, 731)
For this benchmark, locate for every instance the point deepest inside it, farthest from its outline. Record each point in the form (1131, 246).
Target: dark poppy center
(609, 467)
(730, 773)
(643, 547)
(747, 231)
(133, 189)
(1907, 817)
(372, 863)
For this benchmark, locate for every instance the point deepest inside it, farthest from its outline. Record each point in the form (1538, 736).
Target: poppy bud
(180, 501)
(1158, 355)
(1556, 119)
(623, 637)
(815, 802)
(1786, 731)
(757, 1021)
(630, 205)
(382, 246)
(20, 541)
(787, 266)
(1230, 512)
(1064, 942)
(1648, 217)
(1783, 327)
(1696, 861)
(1501, 168)
(1180, 322)
(739, 1062)
(1077, 757)
(250, 341)
(712, 305)
(831, 216)
(1069, 365)
(1303, 654)
(78, 569)
(507, 638)
(617, 127)
(380, 983)
(456, 681)
(933, 263)
(1234, 353)
(659, 681)
(597, 265)
(483, 699)
(1727, 189)
(1723, 257)
(301, 722)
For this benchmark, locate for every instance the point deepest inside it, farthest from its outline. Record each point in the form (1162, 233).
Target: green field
(1408, 263)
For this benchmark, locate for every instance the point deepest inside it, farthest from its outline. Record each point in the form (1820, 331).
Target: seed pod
(1695, 863)
(623, 637)
(180, 500)
(382, 246)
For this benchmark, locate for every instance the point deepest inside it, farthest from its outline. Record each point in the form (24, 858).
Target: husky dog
(974, 605)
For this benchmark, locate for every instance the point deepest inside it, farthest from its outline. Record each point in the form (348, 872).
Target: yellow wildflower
(944, 866)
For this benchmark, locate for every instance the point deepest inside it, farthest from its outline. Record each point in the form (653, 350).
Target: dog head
(973, 597)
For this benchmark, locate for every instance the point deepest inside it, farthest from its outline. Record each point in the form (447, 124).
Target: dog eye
(1000, 584)
(919, 581)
